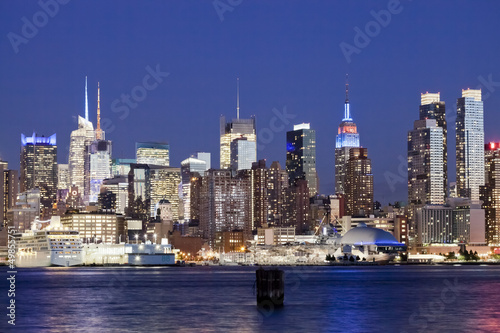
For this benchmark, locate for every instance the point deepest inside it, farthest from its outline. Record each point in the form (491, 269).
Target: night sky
(287, 55)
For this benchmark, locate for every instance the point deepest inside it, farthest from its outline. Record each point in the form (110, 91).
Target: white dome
(362, 235)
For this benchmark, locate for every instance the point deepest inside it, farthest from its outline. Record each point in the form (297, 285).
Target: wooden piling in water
(270, 287)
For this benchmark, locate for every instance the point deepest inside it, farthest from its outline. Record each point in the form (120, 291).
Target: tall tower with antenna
(86, 101)
(347, 138)
(99, 133)
(237, 129)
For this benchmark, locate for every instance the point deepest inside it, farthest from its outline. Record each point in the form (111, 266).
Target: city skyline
(308, 86)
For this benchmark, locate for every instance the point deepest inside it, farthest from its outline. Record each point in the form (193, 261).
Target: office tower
(190, 168)
(260, 203)
(470, 144)
(359, 183)
(154, 153)
(39, 167)
(425, 164)
(225, 204)
(205, 157)
(119, 187)
(63, 182)
(431, 107)
(301, 156)
(99, 164)
(347, 138)
(243, 154)
(121, 166)
(148, 184)
(79, 140)
(296, 207)
(490, 193)
(8, 190)
(236, 129)
(277, 184)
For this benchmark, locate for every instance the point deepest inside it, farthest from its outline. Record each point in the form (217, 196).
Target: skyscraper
(490, 193)
(236, 129)
(155, 153)
(425, 164)
(301, 156)
(190, 168)
(243, 154)
(470, 144)
(347, 138)
(225, 204)
(79, 140)
(260, 203)
(63, 182)
(8, 190)
(277, 184)
(431, 107)
(359, 183)
(39, 167)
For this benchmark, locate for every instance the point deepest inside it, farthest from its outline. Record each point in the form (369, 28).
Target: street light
(155, 238)
(136, 238)
(145, 238)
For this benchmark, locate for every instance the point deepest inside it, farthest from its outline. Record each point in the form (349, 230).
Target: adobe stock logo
(372, 29)
(30, 29)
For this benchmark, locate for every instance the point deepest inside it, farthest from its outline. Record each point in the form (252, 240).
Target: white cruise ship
(51, 246)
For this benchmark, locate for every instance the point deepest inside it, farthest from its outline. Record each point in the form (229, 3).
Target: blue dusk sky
(291, 58)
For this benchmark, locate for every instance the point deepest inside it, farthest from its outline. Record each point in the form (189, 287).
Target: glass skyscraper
(39, 167)
(236, 129)
(470, 144)
(301, 156)
(155, 153)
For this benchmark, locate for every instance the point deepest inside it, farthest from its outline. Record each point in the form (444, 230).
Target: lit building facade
(243, 154)
(301, 156)
(431, 107)
(39, 167)
(470, 144)
(190, 168)
(225, 204)
(230, 131)
(99, 164)
(277, 185)
(359, 183)
(347, 138)
(154, 153)
(107, 228)
(9, 181)
(79, 140)
(490, 193)
(25, 210)
(63, 182)
(118, 186)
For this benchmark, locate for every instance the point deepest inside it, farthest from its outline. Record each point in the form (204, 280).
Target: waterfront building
(470, 144)
(154, 153)
(230, 241)
(275, 236)
(39, 167)
(301, 156)
(25, 210)
(277, 185)
(225, 204)
(96, 227)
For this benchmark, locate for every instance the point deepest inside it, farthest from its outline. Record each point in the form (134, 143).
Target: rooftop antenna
(98, 131)
(86, 101)
(238, 98)
(347, 112)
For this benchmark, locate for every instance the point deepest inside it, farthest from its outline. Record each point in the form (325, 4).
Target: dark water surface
(221, 299)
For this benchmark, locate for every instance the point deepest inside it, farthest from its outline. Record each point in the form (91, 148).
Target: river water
(221, 299)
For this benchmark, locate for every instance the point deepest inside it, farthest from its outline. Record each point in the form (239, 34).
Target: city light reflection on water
(214, 299)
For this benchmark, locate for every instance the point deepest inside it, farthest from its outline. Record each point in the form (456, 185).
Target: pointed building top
(347, 88)
(347, 112)
(238, 98)
(86, 101)
(98, 130)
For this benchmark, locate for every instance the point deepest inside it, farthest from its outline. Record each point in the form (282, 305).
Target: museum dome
(363, 235)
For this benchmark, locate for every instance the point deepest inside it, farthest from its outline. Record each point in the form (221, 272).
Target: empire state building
(347, 138)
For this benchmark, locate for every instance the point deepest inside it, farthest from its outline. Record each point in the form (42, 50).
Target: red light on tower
(492, 145)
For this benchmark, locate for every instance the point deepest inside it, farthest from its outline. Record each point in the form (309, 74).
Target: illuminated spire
(98, 131)
(238, 98)
(86, 101)
(347, 112)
